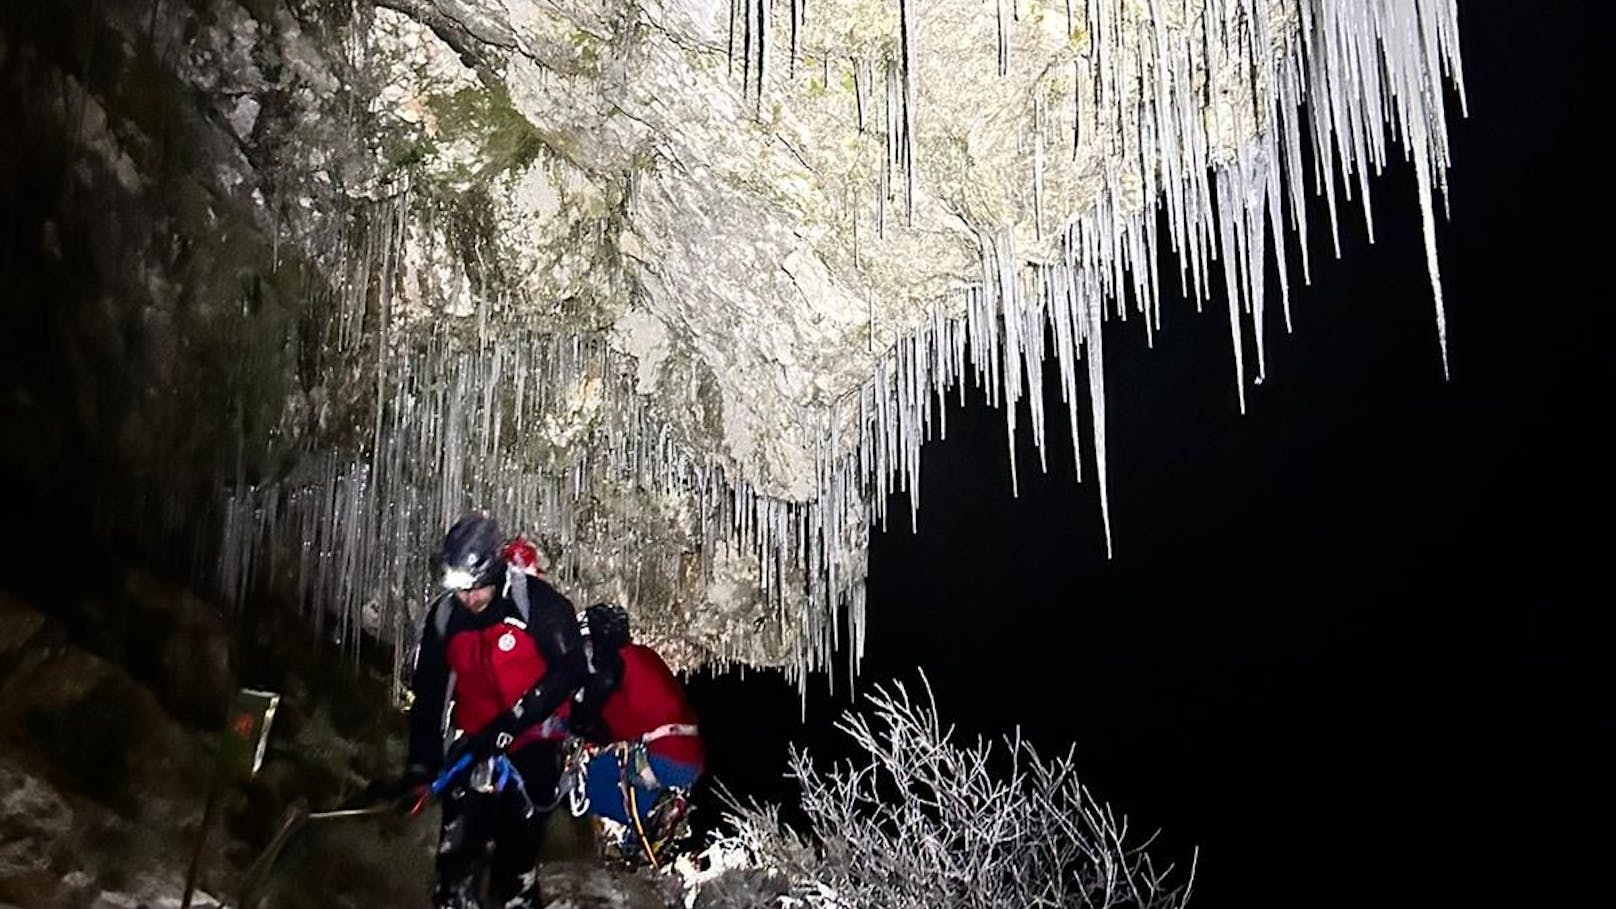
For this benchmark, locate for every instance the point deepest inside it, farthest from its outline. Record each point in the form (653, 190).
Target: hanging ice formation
(1340, 76)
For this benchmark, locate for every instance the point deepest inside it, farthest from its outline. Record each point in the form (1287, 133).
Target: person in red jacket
(632, 704)
(499, 654)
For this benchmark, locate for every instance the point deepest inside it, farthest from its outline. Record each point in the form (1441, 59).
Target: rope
(581, 754)
(632, 801)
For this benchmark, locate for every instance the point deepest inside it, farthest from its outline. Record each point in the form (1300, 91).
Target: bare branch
(920, 820)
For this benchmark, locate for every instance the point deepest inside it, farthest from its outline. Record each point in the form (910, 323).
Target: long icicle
(1361, 72)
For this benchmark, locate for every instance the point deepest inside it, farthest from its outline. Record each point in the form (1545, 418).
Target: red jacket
(649, 696)
(494, 666)
(496, 659)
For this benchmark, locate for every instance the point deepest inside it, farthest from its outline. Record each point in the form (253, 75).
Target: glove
(493, 738)
(587, 726)
(597, 689)
(405, 790)
(480, 746)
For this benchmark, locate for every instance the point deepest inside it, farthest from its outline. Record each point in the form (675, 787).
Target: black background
(1347, 644)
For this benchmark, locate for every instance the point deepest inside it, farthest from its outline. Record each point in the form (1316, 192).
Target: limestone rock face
(673, 286)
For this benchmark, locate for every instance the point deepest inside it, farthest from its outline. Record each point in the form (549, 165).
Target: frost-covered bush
(919, 821)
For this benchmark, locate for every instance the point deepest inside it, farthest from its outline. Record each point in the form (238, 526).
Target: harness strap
(553, 729)
(440, 615)
(670, 729)
(516, 586)
(444, 726)
(439, 612)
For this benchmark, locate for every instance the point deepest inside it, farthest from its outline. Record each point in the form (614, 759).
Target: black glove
(597, 689)
(601, 685)
(587, 726)
(492, 739)
(482, 745)
(415, 778)
(406, 789)
(585, 721)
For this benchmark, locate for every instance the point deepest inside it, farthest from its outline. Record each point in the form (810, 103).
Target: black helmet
(470, 555)
(608, 625)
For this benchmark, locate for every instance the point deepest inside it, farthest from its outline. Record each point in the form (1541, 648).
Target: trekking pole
(209, 808)
(258, 871)
(300, 816)
(349, 812)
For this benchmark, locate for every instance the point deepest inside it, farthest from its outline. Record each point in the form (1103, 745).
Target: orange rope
(634, 812)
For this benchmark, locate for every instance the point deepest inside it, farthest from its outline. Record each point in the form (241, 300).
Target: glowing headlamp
(458, 579)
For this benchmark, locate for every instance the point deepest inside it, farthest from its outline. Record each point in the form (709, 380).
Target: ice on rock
(1153, 93)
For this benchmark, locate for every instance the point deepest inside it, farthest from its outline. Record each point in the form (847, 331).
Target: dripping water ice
(350, 526)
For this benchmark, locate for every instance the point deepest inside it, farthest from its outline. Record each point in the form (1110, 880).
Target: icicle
(763, 17)
(747, 31)
(443, 419)
(1004, 39)
(1037, 169)
(861, 86)
(796, 30)
(1077, 108)
(857, 212)
(1096, 368)
(906, 42)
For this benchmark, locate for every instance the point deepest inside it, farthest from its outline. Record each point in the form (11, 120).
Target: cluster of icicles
(450, 416)
(463, 425)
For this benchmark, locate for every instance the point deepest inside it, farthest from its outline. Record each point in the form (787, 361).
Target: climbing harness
(493, 775)
(632, 843)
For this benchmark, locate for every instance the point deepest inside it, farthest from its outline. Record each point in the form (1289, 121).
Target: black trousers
(504, 824)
